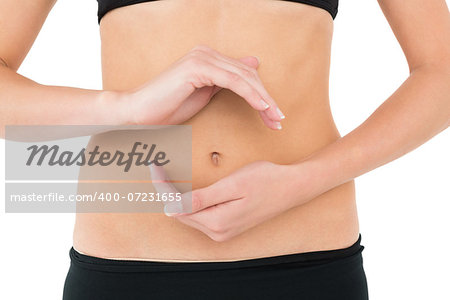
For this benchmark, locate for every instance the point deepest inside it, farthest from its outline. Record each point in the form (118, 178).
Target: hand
(182, 90)
(247, 197)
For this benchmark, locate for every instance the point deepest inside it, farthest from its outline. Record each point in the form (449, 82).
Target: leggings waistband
(299, 259)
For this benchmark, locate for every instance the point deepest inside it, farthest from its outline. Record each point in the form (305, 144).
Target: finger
(207, 73)
(160, 180)
(216, 89)
(204, 71)
(181, 207)
(269, 122)
(194, 224)
(252, 78)
(200, 199)
(244, 62)
(163, 186)
(203, 220)
(250, 61)
(248, 73)
(220, 192)
(216, 221)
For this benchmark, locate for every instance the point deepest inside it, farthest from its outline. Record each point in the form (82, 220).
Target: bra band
(105, 6)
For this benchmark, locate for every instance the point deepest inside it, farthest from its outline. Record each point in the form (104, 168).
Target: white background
(403, 206)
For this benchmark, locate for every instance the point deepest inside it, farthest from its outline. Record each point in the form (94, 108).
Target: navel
(215, 158)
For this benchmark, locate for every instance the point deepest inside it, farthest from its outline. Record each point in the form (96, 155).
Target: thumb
(251, 61)
(215, 90)
(163, 186)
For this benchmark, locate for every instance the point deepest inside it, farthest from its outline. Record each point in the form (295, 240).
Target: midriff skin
(292, 42)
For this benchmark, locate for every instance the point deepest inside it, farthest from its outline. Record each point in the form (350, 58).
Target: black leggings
(320, 275)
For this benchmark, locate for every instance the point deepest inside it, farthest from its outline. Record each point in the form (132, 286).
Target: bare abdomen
(293, 43)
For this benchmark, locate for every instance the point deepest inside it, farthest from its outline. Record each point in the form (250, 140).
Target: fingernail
(278, 124)
(257, 58)
(171, 209)
(280, 113)
(171, 215)
(265, 105)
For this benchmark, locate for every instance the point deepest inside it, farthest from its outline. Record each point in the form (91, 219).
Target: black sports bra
(105, 6)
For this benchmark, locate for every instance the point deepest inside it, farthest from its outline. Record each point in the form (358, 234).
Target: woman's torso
(292, 42)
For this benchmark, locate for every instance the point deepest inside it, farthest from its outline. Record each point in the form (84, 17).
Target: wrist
(308, 178)
(115, 108)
